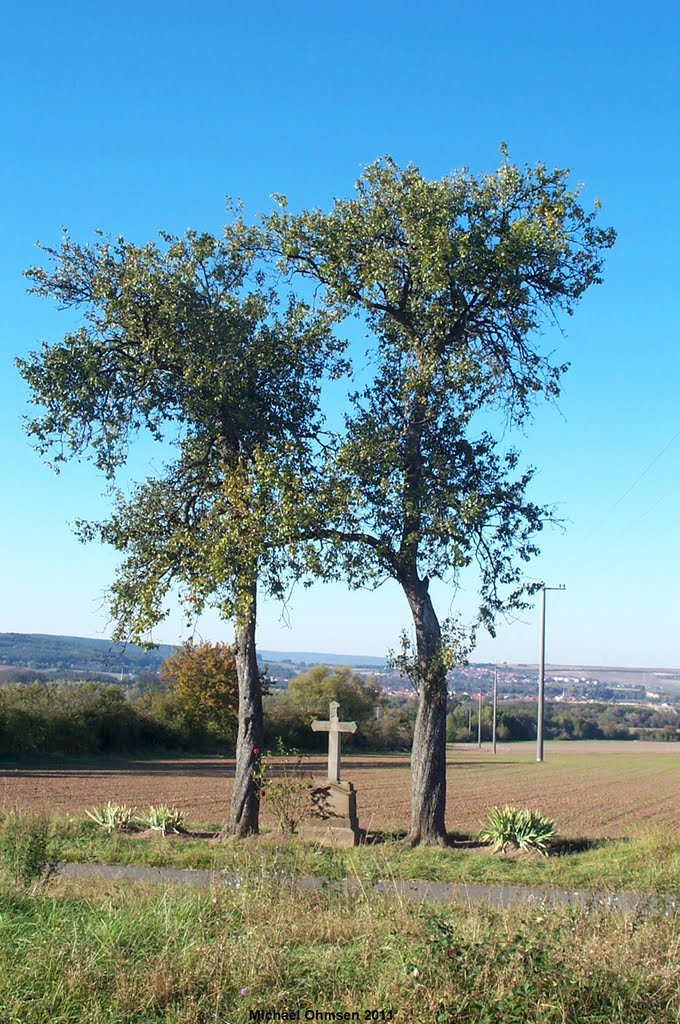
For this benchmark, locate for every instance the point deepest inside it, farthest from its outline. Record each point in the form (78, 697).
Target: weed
(24, 844)
(286, 787)
(519, 828)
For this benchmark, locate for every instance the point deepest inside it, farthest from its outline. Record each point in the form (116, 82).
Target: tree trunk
(245, 802)
(428, 756)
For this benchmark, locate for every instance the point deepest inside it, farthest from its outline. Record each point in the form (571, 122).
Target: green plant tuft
(164, 819)
(518, 828)
(112, 817)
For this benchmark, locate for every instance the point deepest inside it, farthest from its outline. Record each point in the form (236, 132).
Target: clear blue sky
(138, 116)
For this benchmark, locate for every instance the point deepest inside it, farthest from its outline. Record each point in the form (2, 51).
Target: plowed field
(594, 789)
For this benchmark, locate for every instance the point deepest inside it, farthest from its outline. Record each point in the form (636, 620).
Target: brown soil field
(592, 789)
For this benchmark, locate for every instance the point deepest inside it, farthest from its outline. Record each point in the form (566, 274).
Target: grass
(113, 953)
(646, 864)
(73, 951)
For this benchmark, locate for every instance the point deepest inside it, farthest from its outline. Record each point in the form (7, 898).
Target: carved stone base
(333, 821)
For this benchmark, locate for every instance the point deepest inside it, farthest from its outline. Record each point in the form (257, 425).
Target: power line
(645, 471)
(657, 503)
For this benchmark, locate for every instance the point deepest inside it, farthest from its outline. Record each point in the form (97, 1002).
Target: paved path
(436, 892)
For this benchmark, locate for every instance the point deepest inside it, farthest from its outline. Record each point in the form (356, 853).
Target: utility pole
(470, 715)
(495, 710)
(479, 720)
(541, 677)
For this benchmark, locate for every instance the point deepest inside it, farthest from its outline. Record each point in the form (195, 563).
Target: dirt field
(591, 788)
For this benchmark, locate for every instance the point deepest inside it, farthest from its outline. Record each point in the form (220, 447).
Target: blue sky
(136, 117)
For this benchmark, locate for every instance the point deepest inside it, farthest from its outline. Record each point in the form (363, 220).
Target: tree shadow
(469, 841)
(454, 840)
(562, 847)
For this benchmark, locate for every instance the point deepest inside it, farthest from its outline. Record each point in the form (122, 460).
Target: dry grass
(107, 954)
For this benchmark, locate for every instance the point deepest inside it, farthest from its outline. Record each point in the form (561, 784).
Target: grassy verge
(648, 864)
(73, 952)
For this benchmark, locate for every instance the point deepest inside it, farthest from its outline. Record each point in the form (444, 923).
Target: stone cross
(334, 727)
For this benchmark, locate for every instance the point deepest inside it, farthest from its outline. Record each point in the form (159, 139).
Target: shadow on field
(471, 765)
(94, 767)
(209, 767)
(466, 841)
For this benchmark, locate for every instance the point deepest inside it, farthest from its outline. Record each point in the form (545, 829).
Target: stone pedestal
(333, 820)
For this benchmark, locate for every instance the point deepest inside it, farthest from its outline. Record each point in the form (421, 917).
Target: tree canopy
(311, 692)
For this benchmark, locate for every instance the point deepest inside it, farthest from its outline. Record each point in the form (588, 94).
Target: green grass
(646, 864)
(73, 952)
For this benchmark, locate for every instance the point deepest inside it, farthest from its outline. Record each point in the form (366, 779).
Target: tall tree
(453, 280)
(182, 341)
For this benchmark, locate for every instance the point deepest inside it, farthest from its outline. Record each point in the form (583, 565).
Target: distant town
(29, 656)
(572, 684)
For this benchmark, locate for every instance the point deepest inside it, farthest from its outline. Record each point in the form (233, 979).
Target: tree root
(414, 839)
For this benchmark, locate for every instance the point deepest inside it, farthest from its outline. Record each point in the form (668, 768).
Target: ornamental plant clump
(164, 819)
(518, 828)
(285, 785)
(112, 817)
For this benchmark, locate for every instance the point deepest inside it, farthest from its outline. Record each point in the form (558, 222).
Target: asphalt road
(435, 892)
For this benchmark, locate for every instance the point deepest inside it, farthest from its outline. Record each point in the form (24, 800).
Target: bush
(518, 828)
(381, 724)
(24, 844)
(287, 791)
(90, 718)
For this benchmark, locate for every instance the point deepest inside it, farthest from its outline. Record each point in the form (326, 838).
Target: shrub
(285, 787)
(164, 819)
(205, 685)
(519, 828)
(24, 843)
(112, 817)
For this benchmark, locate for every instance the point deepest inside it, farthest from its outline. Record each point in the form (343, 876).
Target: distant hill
(45, 651)
(311, 658)
(78, 653)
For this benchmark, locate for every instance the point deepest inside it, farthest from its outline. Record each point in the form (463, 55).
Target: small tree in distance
(205, 684)
(311, 692)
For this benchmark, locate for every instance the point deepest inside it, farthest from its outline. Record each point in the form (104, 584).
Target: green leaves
(519, 829)
(453, 278)
(182, 338)
(466, 264)
(183, 341)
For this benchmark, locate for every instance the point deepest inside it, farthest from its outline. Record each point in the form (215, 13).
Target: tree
(205, 683)
(288, 715)
(311, 692)
(453, 280)
(182, 341)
